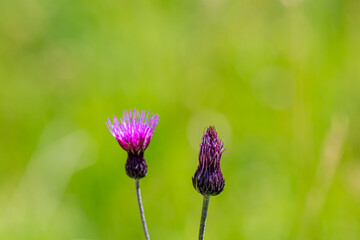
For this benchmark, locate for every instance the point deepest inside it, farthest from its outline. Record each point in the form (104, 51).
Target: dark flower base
(136, 166)
(208, 182)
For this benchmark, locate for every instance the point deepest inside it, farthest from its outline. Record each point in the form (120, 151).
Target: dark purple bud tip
(136, 166)
(208, 179)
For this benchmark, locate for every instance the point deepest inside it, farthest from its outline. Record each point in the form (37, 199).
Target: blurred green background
(279, 80)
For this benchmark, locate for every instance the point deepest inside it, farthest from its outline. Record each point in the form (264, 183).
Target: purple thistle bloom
(208, 179)
(133, 133)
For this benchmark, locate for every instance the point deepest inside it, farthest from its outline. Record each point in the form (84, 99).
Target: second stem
(203, 216)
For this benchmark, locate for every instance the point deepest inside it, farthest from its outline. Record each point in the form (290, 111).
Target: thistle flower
(134, 133)
(208, 179)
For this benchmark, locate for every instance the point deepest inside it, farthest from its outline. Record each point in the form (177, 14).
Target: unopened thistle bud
(208, 179)
(134, 133)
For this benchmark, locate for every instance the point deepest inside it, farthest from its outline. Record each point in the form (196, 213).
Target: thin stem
(203, 216)
(141, 209)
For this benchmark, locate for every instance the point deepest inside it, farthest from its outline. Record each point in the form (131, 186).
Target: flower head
(208, 179)
(133, 133)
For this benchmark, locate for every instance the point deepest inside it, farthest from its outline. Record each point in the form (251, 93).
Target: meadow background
(279, 79)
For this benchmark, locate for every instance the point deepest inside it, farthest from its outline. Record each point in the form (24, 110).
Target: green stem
(203, 216)
(141, 209)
